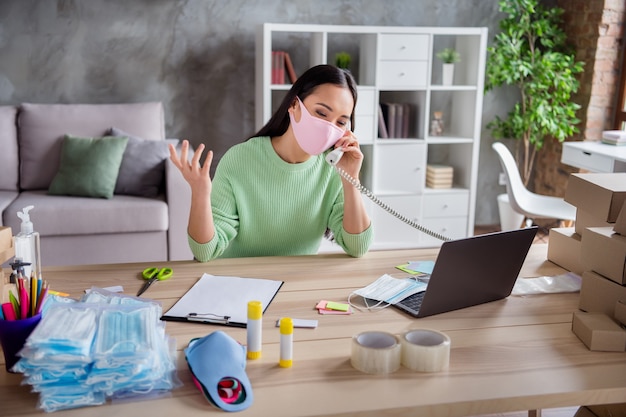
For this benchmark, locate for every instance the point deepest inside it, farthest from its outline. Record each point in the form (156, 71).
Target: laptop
(472, 271)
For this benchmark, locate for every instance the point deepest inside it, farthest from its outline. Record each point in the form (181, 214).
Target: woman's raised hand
(195, 174)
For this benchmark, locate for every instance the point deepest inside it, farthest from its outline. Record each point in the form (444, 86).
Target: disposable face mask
(388, 290)
(314, 135)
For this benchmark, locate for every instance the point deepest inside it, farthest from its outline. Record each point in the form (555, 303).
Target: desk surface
(509, 355)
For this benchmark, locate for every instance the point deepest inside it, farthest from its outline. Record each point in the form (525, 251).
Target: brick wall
(596, 30)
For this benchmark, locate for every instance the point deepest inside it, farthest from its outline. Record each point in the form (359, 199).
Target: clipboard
(222, 300)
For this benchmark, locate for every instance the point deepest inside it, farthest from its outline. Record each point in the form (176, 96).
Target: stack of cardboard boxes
(596, 249)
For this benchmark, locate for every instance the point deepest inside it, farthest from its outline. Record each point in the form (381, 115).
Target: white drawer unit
(449, 227)
(364, 116)
(398, 47)
(390, 232)
(594, 156)
(399, 81)
(405, 74)
(446, 204)
(400, 168)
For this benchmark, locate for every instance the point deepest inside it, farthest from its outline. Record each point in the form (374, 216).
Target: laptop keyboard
(413, 302)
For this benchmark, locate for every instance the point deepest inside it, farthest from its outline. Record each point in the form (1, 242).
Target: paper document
(222, 300)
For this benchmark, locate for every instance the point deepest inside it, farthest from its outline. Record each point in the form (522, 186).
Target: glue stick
(254, 327)
(286, 343)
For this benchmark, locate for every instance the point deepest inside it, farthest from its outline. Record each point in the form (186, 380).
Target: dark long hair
(303, 87)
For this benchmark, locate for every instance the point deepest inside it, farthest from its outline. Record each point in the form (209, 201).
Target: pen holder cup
(13, 335)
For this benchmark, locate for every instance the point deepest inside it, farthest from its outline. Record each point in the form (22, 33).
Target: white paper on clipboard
(221, 296)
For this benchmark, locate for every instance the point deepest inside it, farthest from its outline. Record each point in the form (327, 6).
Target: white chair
(531, 205)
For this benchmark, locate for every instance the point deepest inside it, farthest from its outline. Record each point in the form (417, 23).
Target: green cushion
(89, 166)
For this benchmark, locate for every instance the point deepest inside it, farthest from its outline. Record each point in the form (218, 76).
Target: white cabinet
(398, 65)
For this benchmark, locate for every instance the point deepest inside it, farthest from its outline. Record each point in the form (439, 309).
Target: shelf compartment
(458, 112)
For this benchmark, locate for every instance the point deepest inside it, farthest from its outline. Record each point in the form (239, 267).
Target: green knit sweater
(264, 206)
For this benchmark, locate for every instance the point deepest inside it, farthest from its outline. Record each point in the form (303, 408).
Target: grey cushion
(142, 172)
(9, 162)
(42, 127)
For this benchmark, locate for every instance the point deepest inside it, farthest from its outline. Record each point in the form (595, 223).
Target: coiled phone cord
(385, 206)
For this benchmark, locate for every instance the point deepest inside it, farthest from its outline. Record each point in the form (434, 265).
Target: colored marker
(14, 304)
(254, 329)
(24, 303)
(9, 312)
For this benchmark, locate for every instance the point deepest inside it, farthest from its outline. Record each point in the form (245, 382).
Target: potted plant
(530, 53)
(449, 56)
(343, 60)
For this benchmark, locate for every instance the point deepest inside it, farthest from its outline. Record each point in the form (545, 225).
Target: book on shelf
(291, 72)
(382, 125)
(281, 65)
(439, 176)
(439, 170)
(278, 67)
(395, 118)
(614, 137)
(389, 114)
(439, 184)
(406, 117)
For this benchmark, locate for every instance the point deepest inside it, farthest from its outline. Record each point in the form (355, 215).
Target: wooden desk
(514, 354)
(594, 156)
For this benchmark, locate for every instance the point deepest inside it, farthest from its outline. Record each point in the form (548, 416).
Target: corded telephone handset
(334, 156)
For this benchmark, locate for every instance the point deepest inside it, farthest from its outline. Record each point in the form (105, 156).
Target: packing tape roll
(425, 350)
(376, 352)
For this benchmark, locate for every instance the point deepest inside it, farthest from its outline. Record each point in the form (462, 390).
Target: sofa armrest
(178, 195)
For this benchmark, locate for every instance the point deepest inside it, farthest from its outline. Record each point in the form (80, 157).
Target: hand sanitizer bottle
(27, 246)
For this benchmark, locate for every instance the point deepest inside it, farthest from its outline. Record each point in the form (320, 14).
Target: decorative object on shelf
(439, 176)
(531, 54)
(343, 60)
(449, 56)
(436, 125)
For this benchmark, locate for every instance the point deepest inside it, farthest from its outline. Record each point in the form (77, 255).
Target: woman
(275, 194)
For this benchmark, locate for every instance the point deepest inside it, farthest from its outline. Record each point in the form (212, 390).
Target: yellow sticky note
(332, 305)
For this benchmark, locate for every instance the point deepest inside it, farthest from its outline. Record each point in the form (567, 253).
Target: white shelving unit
(398, 64)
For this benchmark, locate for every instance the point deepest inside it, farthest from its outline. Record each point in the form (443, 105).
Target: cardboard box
(620, 311)
(599, 294)
(604, 252)
(608, 410)
(585, 219)
(584, 412)
(599, 332)
(599, 194)
(6, 244)
(620, 223)
(564, 249)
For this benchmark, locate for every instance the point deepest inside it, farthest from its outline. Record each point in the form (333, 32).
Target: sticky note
(332, 305)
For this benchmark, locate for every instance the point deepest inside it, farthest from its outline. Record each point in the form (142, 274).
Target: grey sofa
(86, 230)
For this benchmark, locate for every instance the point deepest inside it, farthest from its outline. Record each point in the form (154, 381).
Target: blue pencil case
(217, 363)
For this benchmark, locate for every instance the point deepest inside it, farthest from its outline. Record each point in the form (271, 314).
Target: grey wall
(197, 57)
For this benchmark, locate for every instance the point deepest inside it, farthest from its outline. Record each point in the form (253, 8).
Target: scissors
(153, 274)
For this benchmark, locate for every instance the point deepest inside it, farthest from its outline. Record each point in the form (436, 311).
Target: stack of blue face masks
(107, 346)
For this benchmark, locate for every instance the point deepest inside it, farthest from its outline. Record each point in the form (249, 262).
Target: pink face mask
(314, 135)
